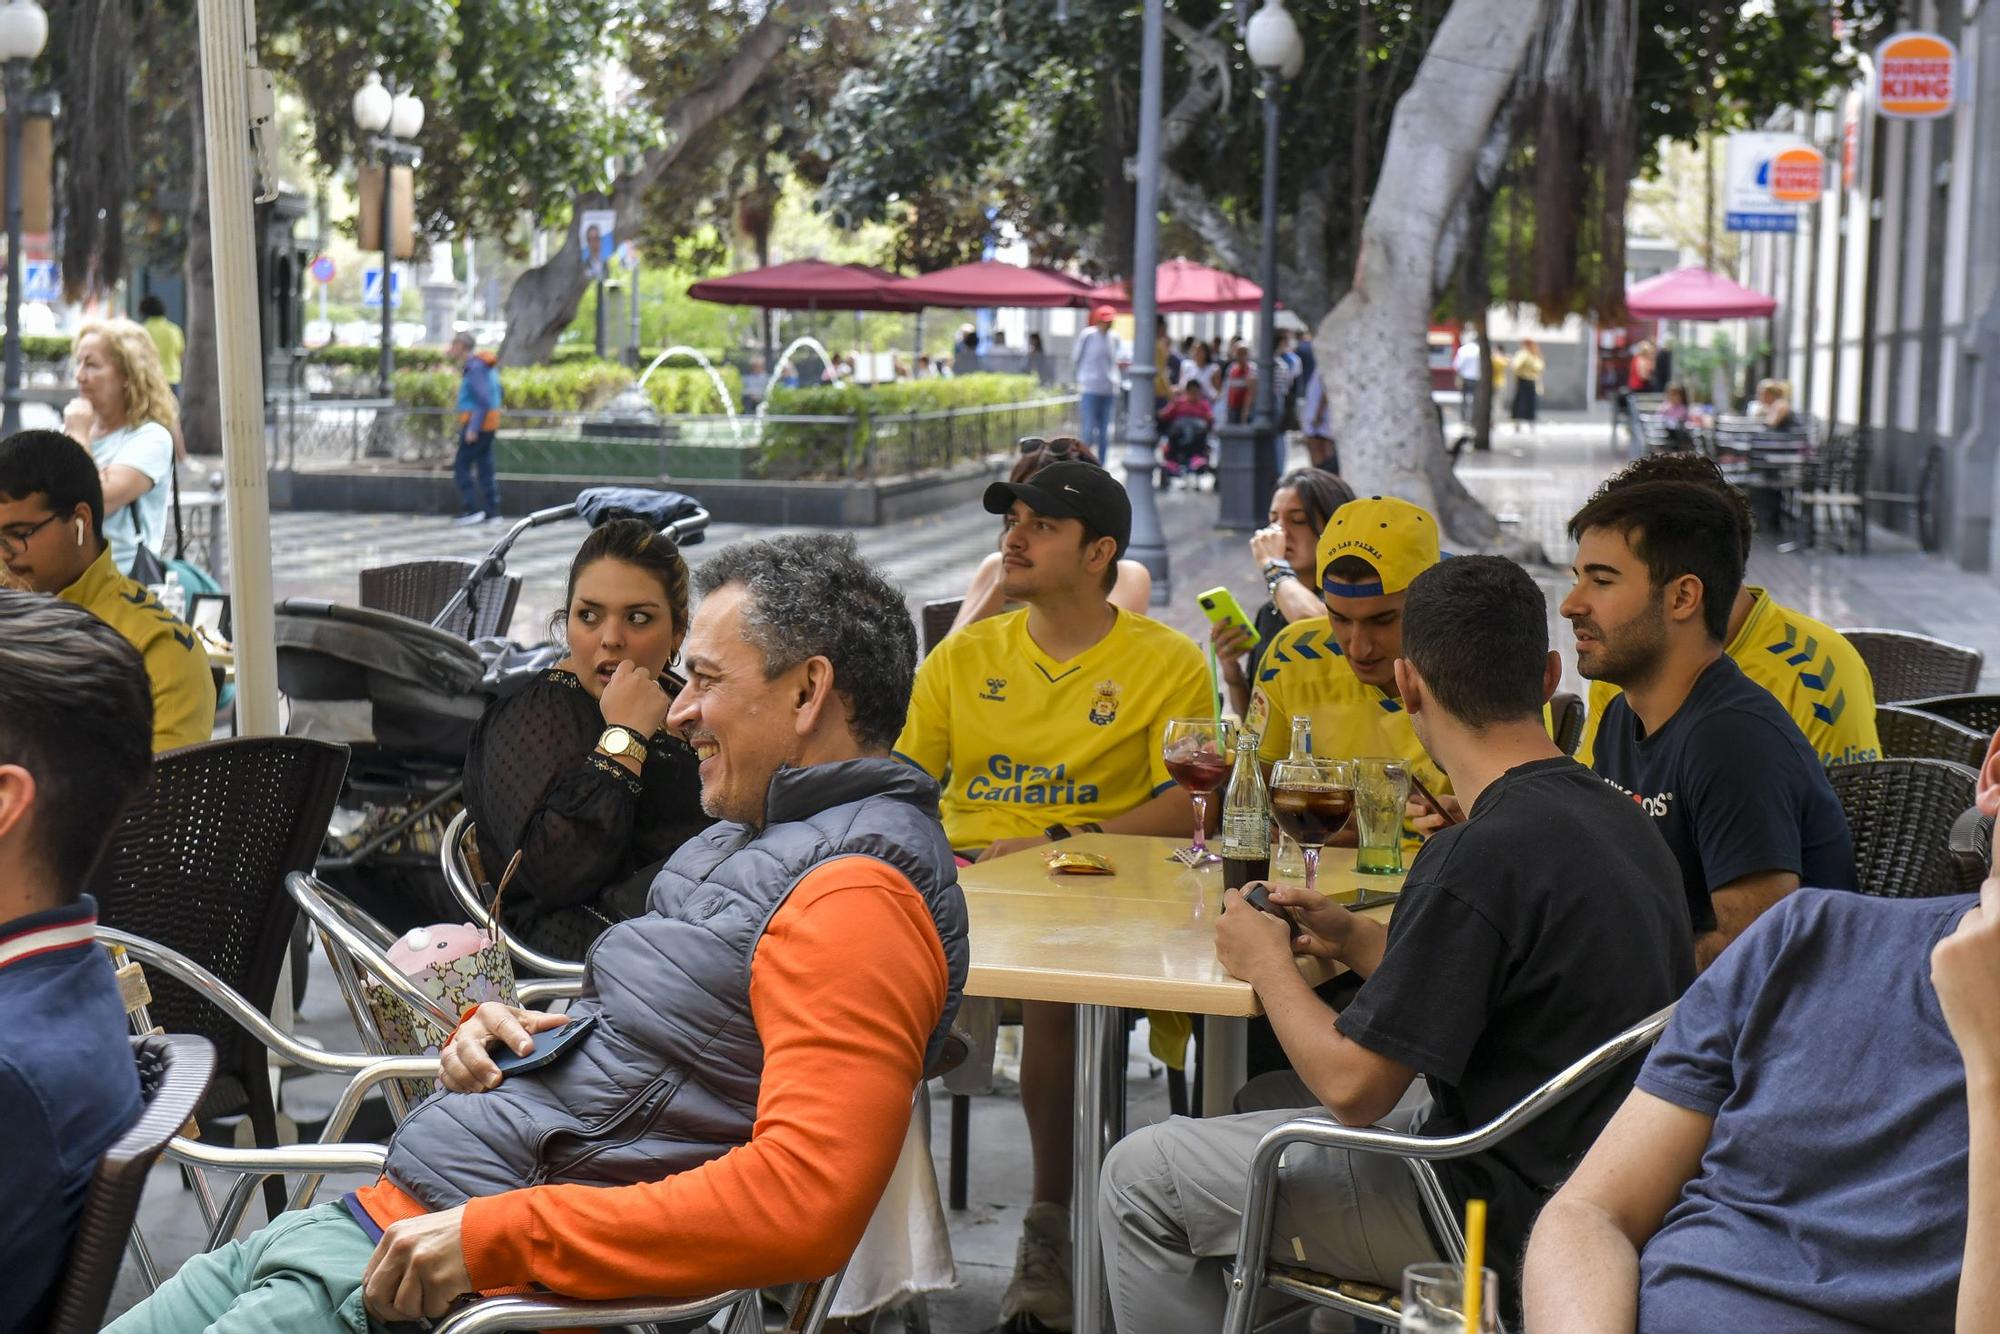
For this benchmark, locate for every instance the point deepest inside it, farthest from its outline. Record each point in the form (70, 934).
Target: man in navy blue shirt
(1727, 777)
(76, 727)
(1812, 1145)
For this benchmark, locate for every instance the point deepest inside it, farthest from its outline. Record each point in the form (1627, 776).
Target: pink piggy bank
(426, 947)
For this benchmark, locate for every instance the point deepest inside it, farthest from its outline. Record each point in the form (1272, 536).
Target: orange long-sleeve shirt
(846, 986)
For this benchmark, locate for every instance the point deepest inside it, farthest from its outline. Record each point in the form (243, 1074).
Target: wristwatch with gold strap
(617, 740)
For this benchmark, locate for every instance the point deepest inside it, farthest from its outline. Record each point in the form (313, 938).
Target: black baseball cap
(1071, 491)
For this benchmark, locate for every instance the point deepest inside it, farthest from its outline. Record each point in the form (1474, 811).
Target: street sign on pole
(1764, 175)
(1916, 76)
(41, 280)
(322, 269)
(371, 288)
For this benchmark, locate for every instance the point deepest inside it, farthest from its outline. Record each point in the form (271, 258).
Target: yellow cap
(1399, 539)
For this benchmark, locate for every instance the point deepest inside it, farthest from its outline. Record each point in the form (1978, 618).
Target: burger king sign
(1916, 76)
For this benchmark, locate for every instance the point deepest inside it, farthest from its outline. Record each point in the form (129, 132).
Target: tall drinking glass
(1200, 752)
(1434, 1300)
(1381, 792)
(1311, 800)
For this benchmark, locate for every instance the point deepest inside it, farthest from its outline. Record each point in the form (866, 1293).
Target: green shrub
(44, 347)
(687, 391)
(367, 358)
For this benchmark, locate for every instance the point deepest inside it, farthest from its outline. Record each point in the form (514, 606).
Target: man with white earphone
(52, 541)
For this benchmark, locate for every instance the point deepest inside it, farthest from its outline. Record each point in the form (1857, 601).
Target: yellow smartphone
(1219, 604)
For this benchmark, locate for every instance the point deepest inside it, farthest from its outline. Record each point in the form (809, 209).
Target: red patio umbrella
(1181, 286)
(1693, 293)
(988, 282)
(806, 284)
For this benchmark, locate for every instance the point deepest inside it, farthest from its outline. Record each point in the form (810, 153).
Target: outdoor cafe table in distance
(1140, 938)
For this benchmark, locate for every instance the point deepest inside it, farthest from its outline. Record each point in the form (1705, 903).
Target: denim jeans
(476, 454)
(1097, 411)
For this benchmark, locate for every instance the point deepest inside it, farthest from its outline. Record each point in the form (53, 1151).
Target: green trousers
(302, 1275)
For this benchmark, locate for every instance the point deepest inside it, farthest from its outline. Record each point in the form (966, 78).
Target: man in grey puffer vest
(737, 1108)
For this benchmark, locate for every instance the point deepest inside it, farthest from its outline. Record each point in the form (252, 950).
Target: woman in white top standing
(124, 412)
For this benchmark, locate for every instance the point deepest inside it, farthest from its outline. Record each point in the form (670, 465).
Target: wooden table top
(1143, 937)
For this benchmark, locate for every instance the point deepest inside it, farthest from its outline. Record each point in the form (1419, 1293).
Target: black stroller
(1185, 453)
(404, 695)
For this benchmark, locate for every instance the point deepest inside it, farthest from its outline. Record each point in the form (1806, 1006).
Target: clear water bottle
(1287, 863)
(173, 596)
(1246, 819)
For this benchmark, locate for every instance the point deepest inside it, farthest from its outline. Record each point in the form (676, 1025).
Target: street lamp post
(390, 120)
(1251, 460)
(24, 29)
(1142, 430)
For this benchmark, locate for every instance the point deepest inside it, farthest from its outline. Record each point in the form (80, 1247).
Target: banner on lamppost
(402, 211)
(598, 228)
(37, 173)
(1766, 176)
(1916, 76)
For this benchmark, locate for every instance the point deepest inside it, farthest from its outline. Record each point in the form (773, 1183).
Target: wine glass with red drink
(1311, 800)
(1199, 753)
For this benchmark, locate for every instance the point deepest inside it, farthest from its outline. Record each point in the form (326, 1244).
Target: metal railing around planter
(923, 441)
(325, 436)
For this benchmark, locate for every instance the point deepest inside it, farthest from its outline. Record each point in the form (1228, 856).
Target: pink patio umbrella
(988, 282)
(1693, 293)
(1185, 287)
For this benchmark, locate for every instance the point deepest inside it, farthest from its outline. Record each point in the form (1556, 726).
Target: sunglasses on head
(1058, 449)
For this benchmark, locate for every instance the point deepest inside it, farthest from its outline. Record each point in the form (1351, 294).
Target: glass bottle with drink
(1198, 754)
(1246, 819)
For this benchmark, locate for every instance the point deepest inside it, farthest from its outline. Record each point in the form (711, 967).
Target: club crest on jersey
(1104, 703)
(996, 687)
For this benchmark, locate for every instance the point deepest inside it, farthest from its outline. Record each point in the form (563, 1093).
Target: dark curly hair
(813, 596)
(634, 542)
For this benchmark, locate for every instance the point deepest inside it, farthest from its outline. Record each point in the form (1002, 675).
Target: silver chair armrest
(284, 1158)
(325, 915)
(1253, 1236)
(246, 1016)
(458, 879)
(535, 1312)
(548, 988)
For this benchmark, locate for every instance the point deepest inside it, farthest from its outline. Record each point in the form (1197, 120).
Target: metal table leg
(1225, 1063)
(1100, 1123)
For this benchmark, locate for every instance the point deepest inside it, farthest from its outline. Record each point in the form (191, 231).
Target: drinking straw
(1475, 1264)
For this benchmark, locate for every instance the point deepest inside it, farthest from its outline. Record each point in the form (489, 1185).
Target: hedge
(807, 447)
(580, 387)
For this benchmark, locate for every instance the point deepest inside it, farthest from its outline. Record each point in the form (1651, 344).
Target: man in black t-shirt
(1547, 921)
(1727, 777)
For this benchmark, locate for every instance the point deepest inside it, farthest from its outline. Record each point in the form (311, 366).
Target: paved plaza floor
(1534, 481)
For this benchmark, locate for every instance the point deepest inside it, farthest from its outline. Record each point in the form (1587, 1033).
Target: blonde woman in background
(125, 414)
(1527, 367)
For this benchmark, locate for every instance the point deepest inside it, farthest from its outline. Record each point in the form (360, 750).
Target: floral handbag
(456, 964)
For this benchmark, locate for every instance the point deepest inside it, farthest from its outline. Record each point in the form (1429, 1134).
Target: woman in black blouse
(576, 772)
(1285, 553)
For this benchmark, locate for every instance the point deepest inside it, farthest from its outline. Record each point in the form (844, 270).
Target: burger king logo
(1916, 76)
(1797, 175)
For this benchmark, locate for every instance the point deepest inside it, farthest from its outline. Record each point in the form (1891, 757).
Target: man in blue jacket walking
(478, 419)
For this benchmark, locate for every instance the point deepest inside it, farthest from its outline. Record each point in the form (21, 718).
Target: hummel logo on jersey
(995, 686)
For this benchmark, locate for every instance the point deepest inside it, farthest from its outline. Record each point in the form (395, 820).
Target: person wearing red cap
(1094, 364)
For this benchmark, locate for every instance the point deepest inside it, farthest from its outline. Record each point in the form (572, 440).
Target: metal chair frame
(463, 883)
(517, 1312)
(363, 1072)
(1253, 1239)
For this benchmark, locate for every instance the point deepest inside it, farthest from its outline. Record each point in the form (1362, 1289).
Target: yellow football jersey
(1812, 671)
(176, 664)
(1020, 741)
(1305, 672)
